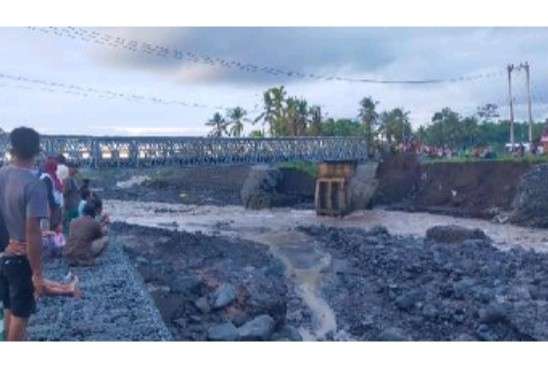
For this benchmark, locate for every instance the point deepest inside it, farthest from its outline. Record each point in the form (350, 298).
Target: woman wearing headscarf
(54, 188)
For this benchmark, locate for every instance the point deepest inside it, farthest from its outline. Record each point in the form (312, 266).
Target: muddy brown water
(304, 262)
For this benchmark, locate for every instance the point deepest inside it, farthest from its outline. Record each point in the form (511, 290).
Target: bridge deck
(95, 152)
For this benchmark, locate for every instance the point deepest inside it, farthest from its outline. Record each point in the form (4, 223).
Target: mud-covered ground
(188, 274)
(199, 185)
(385, 287)
(213, 185)
(478, 189)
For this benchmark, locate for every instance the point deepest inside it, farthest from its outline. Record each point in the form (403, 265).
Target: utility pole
(510, 68)
(529, 106)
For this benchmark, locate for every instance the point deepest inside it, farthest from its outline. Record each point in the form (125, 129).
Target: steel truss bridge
(103, 152)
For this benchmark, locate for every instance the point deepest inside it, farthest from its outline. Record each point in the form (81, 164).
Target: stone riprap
(115, 304)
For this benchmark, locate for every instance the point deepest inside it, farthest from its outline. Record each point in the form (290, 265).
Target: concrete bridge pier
(344, 186)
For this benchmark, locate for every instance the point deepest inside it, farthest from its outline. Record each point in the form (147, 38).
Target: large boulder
(260, 189)
(363, 185)
(454, 234)
(531, 200)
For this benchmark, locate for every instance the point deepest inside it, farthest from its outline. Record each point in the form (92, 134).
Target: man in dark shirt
(23, 204)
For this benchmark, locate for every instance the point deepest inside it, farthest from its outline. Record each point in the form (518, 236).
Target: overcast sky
(382, 53)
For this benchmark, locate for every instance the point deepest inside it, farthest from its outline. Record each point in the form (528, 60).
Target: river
(303, 259)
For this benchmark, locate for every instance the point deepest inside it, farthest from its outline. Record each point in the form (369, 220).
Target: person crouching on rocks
(87, 237)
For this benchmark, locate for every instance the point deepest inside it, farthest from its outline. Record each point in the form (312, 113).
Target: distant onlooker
(54, 189)
(87, 237)
(521, 150)
(85, 196)
(62, 170)
(101, 217)
(71, 196)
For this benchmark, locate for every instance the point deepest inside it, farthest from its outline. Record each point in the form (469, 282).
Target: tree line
(284, 115)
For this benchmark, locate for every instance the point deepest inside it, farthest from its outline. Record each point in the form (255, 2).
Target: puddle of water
(304, 262)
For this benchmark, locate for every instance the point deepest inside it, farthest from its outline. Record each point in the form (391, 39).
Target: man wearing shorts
(23, 204)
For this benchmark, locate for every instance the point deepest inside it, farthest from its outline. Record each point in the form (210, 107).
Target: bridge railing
(98, 152)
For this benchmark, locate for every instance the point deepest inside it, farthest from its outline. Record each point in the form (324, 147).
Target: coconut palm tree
(368, 115)
(273, 115)
(237, 119)
(218, 124)
(316, 119)
(395, 125)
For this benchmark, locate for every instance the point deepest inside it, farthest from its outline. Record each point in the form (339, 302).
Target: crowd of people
(484, 151)
(44, 212)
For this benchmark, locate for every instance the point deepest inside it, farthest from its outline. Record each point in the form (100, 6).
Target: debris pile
(385, 287)
(216, 288)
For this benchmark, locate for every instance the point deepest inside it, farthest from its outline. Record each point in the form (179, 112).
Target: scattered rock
(202, 304)
(411, 288)
(408, 300)
(259, 328)
(464, 337)
(186, 284)
(393, 334)
(454, 234)
(223, 332)
(378, 230)
(493, 313)
(223, 296)
(287, 333)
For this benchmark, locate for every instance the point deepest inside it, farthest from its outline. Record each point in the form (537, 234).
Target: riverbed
(305, 262)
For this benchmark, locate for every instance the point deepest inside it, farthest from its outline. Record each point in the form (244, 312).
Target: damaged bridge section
(98, 152)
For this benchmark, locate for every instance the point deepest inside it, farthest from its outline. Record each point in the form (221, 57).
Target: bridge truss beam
(104, 152)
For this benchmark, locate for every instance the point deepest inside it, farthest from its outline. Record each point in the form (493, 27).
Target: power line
(151, 49)
(49, 86)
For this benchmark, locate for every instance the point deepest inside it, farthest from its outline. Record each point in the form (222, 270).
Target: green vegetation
(285, 115)
(311, 168)
(537, 159)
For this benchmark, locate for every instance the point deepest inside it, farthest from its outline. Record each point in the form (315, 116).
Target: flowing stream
(303, 259)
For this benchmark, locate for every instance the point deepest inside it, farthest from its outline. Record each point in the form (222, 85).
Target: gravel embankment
(115, 305)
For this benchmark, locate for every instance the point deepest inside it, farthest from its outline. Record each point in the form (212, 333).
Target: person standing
(54, 189)
(71, 196)
(23, 204)
(62, 170)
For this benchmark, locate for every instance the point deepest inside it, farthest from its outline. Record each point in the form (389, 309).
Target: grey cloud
(307, 50)
(390, 53)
